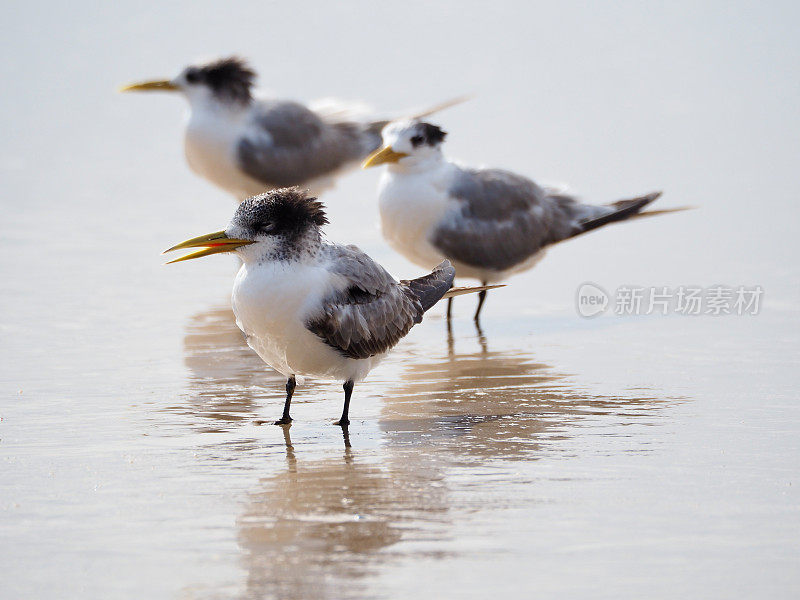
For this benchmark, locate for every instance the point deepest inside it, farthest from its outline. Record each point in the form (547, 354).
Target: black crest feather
(287, 211)
(230, 78)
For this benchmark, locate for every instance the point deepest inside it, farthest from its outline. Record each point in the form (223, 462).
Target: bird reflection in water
(499, 404)
(318, 528)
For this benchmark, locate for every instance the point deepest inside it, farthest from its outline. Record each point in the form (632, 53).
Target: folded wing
(503, 218)
(291, 145)
(372, 311)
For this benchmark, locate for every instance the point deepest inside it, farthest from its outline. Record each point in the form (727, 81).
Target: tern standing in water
(246, 145)
(489, 223)
(309, 307)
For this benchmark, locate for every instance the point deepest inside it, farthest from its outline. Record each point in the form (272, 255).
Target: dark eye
(417, 140)
(266, 227)
(192, 76)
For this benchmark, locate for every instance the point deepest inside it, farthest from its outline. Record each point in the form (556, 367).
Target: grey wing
(503, 219)
(370, 312)
(290, 144)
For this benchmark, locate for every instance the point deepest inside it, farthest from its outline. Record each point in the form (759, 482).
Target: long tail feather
(663, 211)
(460, 291)
(377, 126)
(441, 106)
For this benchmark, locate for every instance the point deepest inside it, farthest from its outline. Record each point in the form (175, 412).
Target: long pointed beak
(212, 243)
(383, 155)
(161, 85)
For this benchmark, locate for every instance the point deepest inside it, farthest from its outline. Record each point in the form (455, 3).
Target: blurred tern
(309, 307)
(489, 223)
(247, 145)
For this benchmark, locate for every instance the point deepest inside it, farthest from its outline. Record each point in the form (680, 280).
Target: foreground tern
(309, 307)
(247, 145)
(489, 223)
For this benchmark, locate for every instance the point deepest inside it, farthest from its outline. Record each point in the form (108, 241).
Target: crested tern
(247, 145)
(489, 223)
(309, 307)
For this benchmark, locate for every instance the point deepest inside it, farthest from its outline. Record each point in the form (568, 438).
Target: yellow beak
(384, 155)
(212, 243)
(149, 86)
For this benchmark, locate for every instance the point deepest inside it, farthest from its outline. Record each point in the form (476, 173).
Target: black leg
(449, 308)
(286, 419)
(481, 299)
(348, 390)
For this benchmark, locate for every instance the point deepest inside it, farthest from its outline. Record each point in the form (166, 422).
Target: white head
(409, 144)
(227, 82)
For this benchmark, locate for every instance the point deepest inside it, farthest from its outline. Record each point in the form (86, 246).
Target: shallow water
(641, 456)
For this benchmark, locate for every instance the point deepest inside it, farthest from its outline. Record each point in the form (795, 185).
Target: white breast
(411, 206)
(272, 302)
(210, 145)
